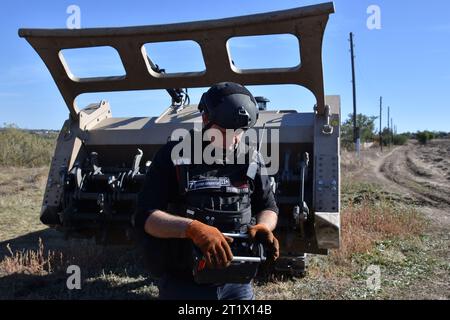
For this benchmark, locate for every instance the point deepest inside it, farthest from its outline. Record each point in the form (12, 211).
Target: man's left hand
(261, 233)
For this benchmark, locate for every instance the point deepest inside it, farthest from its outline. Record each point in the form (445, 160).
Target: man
(183, 203)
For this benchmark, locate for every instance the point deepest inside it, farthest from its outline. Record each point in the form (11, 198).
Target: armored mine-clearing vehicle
(100, 161)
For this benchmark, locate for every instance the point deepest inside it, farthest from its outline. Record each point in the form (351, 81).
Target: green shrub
(400, 139)
(20, 148)
(424, 136)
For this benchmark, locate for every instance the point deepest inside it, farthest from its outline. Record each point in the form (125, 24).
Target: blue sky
(407, 61)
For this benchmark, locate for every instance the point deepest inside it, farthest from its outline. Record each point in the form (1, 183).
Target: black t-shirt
(161, 188)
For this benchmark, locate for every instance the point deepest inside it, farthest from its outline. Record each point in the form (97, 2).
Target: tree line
(368, 133)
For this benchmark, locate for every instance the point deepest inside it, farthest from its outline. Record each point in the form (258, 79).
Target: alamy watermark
(74, 280)
(74, 19)
(227, 147)
(374, 19)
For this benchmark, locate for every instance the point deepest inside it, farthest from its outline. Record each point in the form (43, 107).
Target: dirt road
(423, 172)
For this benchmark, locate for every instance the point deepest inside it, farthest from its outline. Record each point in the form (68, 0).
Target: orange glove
(260, 233)
(213, 244)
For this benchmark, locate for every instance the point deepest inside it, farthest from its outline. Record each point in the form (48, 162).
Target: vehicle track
(409, 168)
(423, 173)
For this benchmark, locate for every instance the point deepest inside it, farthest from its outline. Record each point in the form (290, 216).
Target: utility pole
(355, 128)
(389, 127)
(392, 131)
(395, 131)
(381, 126)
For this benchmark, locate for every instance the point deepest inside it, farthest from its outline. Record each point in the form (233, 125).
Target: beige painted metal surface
(327, 178)
(306, 23)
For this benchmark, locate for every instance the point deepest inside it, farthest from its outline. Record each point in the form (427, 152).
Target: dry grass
(366, 224)
(21, 193)
(341, 275)
(107, 272)
(84, 253)
(33, 262)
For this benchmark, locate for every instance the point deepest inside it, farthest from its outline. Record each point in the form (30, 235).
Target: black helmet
(230, 105)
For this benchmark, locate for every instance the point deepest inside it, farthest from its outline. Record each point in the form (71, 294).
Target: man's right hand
(213, 244)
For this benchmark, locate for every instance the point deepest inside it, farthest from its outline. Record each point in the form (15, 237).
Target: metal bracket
(137, 161)
(327, 127)
(301, 214)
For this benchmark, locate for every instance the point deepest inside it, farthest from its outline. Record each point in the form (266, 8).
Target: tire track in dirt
(423, 173)
(413, 172)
